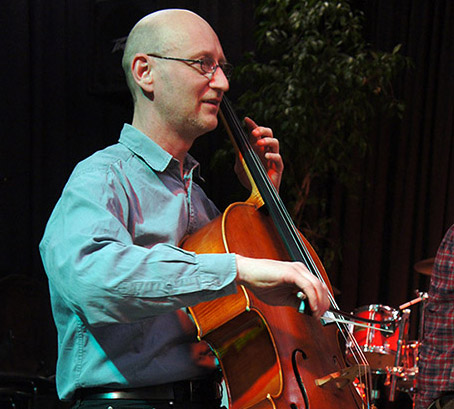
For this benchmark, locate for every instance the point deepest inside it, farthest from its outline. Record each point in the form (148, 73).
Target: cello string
(357, 353)
(277, 202)
(290, 228)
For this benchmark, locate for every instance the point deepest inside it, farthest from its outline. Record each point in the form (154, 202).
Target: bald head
(162, 32)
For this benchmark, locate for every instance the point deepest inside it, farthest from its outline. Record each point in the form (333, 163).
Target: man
(119, 282)
(436, 355)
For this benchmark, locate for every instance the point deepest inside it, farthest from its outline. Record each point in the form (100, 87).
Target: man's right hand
(278, 282)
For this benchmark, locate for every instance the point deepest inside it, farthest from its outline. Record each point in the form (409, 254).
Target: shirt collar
(156, 157)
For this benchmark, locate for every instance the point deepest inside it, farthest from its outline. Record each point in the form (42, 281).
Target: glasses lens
(227, 69)
(209, 66)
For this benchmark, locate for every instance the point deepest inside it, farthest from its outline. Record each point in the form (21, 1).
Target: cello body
(271, 356)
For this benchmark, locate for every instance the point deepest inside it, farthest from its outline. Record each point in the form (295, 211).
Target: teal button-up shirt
(119, 283)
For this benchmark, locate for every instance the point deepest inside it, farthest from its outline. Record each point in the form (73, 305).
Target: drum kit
(392, 357)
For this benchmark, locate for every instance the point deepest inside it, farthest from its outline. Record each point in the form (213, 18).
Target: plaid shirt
(436, 356)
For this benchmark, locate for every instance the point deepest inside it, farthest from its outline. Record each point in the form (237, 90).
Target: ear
(142, 72)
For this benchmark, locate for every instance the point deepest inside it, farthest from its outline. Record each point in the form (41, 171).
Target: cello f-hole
(299, 353)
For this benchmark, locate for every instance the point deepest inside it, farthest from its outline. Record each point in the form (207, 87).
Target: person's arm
(278, 282)
(102, 274)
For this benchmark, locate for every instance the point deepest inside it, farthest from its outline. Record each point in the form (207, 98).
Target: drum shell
(379, 347)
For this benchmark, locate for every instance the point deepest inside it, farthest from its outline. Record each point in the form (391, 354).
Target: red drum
(379, 347)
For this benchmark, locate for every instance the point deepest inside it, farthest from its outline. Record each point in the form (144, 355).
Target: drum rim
(375, 308)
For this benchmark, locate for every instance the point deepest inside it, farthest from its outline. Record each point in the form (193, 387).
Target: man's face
(187, 99)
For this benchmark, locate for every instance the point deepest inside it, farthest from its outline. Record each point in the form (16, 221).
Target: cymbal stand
(424, 297)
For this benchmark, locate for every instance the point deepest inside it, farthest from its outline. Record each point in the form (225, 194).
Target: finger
(250, 124)
(323, 299)
(271, 143)
(256, 130)
(275, 160)
(313, 300)
(319, 303)
(323, 302)
(315, 290)
(261, 132)
(305, 281)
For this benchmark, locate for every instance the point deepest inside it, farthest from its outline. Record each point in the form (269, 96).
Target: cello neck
(287, 230)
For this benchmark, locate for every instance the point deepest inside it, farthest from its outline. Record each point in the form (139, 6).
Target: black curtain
(407, 201)
(63, 98)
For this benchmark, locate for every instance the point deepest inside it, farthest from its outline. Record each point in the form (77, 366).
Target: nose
(219, 80)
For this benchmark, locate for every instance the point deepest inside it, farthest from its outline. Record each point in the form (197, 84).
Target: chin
(203, 124)
(211, 124)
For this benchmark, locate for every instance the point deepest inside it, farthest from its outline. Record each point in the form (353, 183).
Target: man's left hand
(267, 148)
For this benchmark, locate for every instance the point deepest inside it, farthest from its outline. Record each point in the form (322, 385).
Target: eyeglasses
(207, 64)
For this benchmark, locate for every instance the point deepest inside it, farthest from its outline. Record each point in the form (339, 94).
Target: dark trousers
(142, 404)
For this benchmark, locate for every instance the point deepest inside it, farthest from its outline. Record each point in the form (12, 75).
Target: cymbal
(425, 266)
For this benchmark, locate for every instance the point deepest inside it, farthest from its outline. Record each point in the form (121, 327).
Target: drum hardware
(400, 343)
(382, 334)
(403, 376)
(407, 379)
(379, 342)
(421, 297)
(424, 297)
(424, 267)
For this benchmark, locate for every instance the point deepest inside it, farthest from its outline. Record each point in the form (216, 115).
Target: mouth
(214, 101)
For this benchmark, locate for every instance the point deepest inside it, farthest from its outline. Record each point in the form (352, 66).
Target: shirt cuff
(217, 272)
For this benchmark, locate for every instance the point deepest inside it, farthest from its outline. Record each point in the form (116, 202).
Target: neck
(169, 140)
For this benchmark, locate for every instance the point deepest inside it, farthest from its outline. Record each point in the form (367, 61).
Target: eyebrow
(202, 54)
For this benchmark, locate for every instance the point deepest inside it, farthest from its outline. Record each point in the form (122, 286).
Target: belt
(182, 391)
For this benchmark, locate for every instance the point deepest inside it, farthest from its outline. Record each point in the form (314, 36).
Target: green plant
(314, 80)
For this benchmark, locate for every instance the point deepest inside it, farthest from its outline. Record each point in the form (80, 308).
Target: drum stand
(401, 372)
(400, 343)
(423, 297)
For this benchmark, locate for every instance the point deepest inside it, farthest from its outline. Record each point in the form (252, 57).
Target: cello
(272, 357)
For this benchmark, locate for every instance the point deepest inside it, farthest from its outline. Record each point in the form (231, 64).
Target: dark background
(63, 97)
